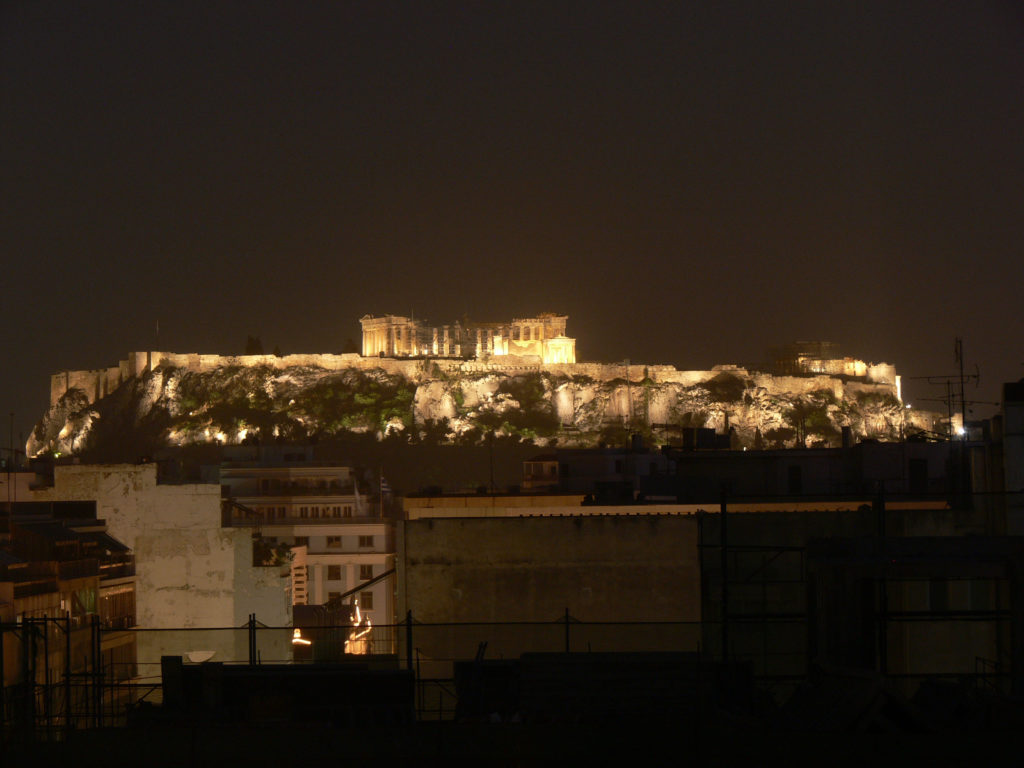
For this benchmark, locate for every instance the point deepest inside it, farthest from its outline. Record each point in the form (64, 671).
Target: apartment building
(317, 514)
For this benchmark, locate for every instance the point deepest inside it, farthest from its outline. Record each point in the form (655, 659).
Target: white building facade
(341, 546)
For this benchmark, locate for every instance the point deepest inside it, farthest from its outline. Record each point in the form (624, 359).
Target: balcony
(77, 569)
(366, 520)
(117, 570)
(34, 587)
(296, 489)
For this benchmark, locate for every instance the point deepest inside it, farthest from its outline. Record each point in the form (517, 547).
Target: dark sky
(691, 183)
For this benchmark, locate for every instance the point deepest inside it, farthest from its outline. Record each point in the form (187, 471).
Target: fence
(59, 674)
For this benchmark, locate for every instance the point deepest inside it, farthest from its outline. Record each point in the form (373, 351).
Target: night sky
(692, 183)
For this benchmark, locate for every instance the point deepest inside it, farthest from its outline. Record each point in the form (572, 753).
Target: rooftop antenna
(958, 354)
(960, 482)
(949, 379)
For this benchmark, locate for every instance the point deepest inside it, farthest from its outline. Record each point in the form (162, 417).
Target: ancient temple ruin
(541, 337)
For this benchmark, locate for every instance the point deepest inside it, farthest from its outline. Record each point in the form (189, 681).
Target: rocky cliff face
(175, 406)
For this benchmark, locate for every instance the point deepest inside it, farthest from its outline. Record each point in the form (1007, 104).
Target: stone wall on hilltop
(154, 399)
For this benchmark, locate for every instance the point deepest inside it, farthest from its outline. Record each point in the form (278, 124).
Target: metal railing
(73, 673)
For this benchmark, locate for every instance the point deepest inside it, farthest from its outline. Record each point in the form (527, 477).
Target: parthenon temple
(542, 336)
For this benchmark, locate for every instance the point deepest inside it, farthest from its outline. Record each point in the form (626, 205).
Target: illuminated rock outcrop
(157, 399)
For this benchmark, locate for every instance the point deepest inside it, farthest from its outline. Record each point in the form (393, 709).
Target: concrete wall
(532, 570)
(606, 568)
(191, 572)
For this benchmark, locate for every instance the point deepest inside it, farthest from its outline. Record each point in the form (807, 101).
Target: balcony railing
(339, 490)
(243, 521)
(117, 570)
(32, 588)
(77, 569)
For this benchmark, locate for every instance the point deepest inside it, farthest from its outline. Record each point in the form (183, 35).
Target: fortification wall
(96, 384)
(882, 373)
(99, 383)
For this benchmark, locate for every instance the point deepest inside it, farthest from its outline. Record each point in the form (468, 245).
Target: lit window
(334, 541)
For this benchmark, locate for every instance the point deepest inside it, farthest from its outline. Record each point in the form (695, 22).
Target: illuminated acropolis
(541, 337)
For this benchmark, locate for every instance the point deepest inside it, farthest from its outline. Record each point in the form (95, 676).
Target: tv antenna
(949, 380)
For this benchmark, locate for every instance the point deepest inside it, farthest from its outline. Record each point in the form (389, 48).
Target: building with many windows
(340, 545)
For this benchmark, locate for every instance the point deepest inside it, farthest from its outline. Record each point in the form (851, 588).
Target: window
(366, 541)
(365, 572)
(314, 512)
(334, 573)
(280, 513)
(333, 596)
(302, 541)
(366, 601)
(334, 541)
(348, 510)
(336, 511)
(303, 512)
